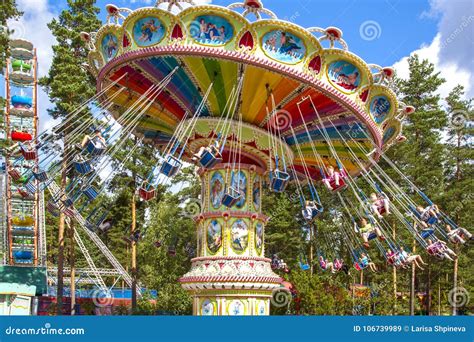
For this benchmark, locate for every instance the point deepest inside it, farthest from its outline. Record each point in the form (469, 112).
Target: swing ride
(253, 105)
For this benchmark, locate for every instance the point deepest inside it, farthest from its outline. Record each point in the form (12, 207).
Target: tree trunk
(455, 284)
(62, 218)
(72, 265)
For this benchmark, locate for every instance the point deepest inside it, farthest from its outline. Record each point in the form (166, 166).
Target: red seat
(21, 136)
(146, 193)
(14, 174)
(28, 154)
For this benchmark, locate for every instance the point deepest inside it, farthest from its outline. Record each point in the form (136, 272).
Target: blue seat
(279, 180)
(304, 266)
(23, 255)
(210, 159)
(425, 233)
(90, 192)
(231, 197)
(22, 101)
(372, 236)
(41, 176)
(52, 209)
(31, 188)
(68, 202)
(94, 149)
(83, 167)
(432, 220)
(170, 166)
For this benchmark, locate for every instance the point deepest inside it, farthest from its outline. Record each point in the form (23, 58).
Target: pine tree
(8, 10)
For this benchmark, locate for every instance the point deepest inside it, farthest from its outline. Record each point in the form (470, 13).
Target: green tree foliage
(68, 83)
(8, 10)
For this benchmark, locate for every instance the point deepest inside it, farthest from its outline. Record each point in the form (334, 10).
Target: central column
(230, 275)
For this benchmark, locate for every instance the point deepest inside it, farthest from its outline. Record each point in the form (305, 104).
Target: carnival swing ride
(252, 104)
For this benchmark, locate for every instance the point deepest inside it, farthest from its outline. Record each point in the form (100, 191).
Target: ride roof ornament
(89, 39)
(382, 75)
(331, 34)
(172, 3)
(114, 14)
(254, 7)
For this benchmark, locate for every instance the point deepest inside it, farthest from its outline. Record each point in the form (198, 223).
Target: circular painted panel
(259, 237)
(344, 75)
(109, 46)
(217, 190)
(214, 236)
(148, 31)
(240, 236)
(236, 308)
(211, 30)
(207, 308)
(239, 182)
(256, 193)
(380, 108)
(283, 46)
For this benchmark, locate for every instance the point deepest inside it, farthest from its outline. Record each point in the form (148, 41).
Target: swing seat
(24, 194)
(157, 244)
(357, 266)
(14, 174)
(52, 209)
(83, 167)
(94, 149)
(210, 159)
(105, 226)
(170, 166)
(172, 251)
(335, 188)
(90, 192)
(372, 236)
(69, 212)
(40, 176)
(68, 202)
(426, 233)
(146, 192)
(279, 180)
(303, 266)
(231, 197)
(432, 220)
(28, 154)
(21, 136)
(31, 188)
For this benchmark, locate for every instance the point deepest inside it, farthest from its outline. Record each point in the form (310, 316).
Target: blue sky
(441, 30)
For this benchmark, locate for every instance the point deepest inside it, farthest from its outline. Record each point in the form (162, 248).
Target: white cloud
(33, 27)
(450, 71)
(452, 48)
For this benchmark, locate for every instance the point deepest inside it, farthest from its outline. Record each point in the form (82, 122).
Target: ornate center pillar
(230, 275)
